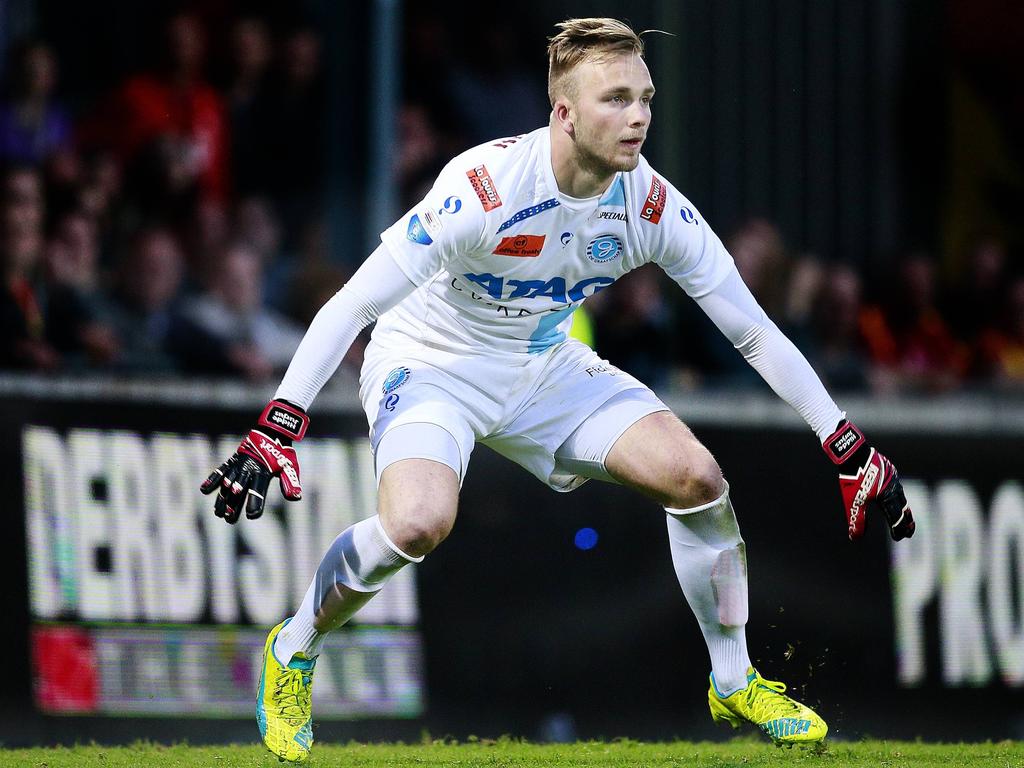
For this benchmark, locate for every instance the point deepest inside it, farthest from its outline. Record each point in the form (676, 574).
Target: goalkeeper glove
(868, 479)
(264, 453)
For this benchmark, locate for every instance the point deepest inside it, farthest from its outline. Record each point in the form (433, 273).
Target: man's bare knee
(697, 481)
(417, 503)
(418, 528)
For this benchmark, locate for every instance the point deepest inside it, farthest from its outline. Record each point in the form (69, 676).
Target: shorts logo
(604, 248)
(395, 379)
(452, 204)
(688, 216)
(523, 246)
(654, 205)
(417, 232)
(483, 185)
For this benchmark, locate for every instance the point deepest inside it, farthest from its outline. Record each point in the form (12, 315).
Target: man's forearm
(740, 318)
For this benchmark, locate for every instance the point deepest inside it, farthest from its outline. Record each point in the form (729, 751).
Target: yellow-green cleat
(284, 710)
(765, 704)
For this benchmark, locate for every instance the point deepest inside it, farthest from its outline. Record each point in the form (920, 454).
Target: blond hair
(580, 40)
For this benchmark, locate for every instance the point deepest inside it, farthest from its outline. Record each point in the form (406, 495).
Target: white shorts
(556, 414)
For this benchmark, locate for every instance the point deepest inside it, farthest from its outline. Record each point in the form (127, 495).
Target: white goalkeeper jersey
(502, 258)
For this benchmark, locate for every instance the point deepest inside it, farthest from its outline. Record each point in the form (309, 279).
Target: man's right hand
(264, 453)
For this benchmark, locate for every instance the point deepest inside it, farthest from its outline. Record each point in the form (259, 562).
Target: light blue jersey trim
(547, 333)
(616, 194)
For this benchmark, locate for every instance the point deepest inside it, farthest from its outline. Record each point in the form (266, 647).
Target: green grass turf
(748, 753)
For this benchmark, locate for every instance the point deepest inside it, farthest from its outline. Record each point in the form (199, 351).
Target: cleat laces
(772, 706)
(292, 696)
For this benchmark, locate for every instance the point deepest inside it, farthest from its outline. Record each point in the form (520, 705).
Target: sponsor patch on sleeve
(417, 231)
(654, 205)
(483, 185)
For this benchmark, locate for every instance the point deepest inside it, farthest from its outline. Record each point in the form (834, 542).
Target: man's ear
(564, 116)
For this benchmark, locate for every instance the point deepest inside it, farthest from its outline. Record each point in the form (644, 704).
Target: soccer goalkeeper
(473, 291)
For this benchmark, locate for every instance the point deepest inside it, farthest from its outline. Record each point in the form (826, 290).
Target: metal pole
(382, 187)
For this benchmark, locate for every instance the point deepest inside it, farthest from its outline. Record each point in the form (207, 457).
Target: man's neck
(572, 177)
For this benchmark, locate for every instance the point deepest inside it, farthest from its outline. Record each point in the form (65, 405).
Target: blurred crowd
(907, 331)
(172, 227)
(175, 226)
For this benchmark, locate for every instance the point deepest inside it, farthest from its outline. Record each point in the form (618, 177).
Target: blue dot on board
(586, 538)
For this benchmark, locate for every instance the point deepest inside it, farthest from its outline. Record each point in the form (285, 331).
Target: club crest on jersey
(604, 248)
(395, 379)
(483, 185)
(654, 205)
(522, 246)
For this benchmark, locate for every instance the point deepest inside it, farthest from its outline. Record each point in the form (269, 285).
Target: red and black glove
(868, 480)
(264, 453)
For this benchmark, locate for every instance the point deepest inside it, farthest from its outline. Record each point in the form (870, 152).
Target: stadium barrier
(544, 615)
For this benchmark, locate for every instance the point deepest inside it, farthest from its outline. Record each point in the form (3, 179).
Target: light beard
(599, 166)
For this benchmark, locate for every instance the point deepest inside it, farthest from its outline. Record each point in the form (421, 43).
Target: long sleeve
(740, 318)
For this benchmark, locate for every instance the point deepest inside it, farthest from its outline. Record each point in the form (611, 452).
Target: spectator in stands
(490, 77)
(256, 225)
(975, 302)
(170, 125)
(760, 255)
(835, 347)
(295, 169)
(142, 308)
(77, 324)
(21, 194)
(806, 280)
(34, 126)
(246, 93)
(23, 342)
(420, 156)
(1001, 348)
(634, 327)
(228, 330)
(908, 337)
(428, 72)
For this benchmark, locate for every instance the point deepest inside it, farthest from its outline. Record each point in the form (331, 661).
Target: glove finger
(224, 475)
(232, 507)
(218, 505)
(227, 505)
(213, 482)
(238, 491)
(906, 529)
(257, 496)
(893, 502)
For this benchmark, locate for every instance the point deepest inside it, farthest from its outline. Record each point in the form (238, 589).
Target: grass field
(741, 752)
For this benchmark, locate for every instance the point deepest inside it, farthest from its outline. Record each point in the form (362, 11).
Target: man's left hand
(868, 480)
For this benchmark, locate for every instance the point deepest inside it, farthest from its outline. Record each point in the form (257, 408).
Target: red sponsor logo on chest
(484, 187)
(523, 246)
(654, 205)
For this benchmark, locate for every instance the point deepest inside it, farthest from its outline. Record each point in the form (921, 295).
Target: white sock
(362, 558)
(710, 562)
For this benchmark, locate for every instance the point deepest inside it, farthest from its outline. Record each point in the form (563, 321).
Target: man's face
(612, 111)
